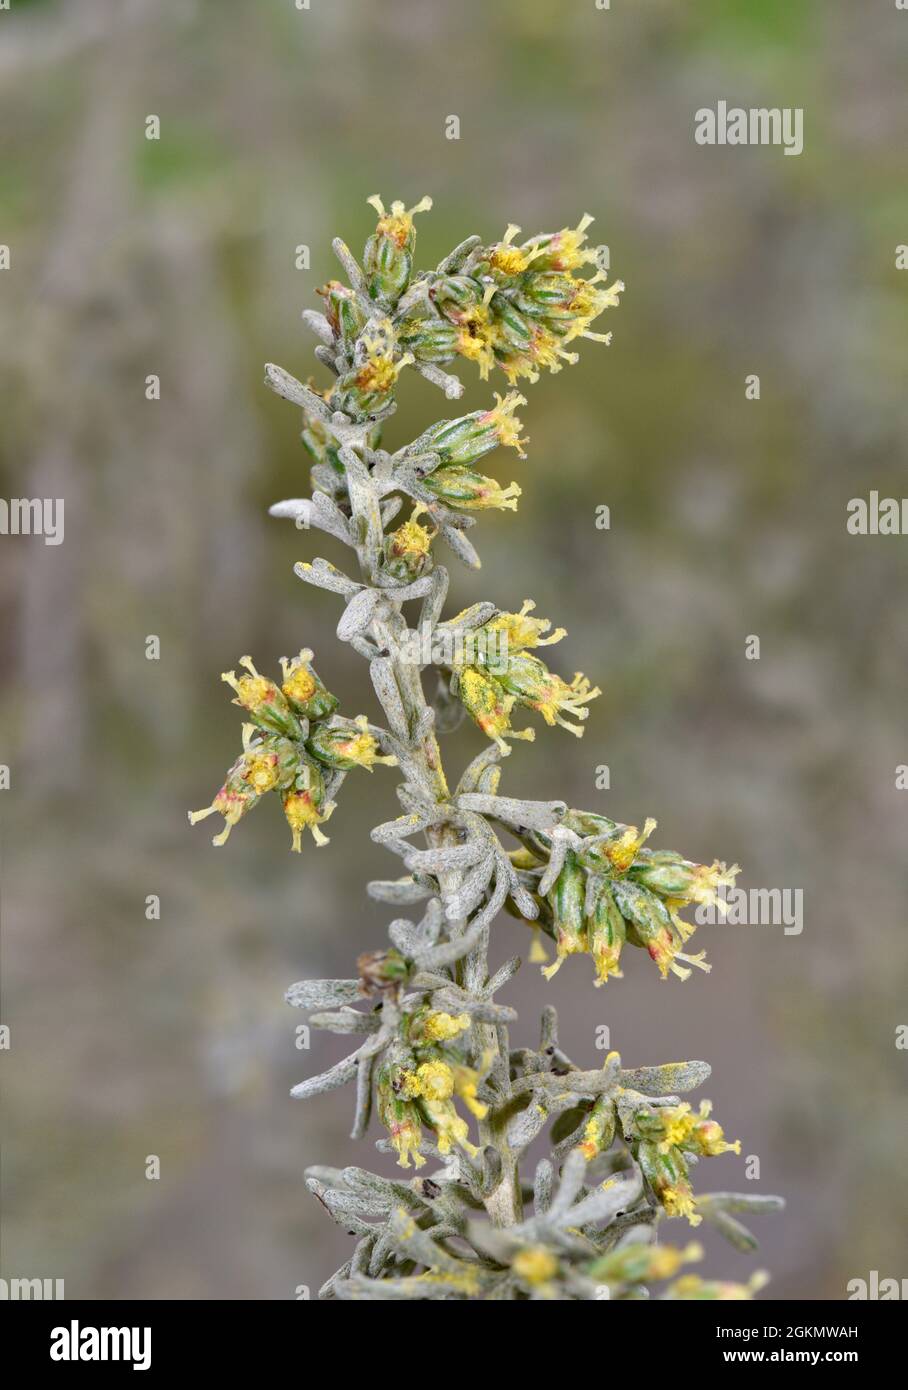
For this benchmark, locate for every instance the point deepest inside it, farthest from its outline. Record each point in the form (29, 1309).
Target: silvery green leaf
(449, 951)
(570, 1185)
(381, 672)
(740, 1201)
(434, 600)
(451, 385)
(389, 509)
(364, 1072)
(400, 827)
(326, 576)
(323, 994)
(502, 975)
(358, 614)
(525, 1126)
(397, 891)
(673, 1076)
(462, 547)
(562, 841)
(408, 1287)
(482, 1010)
(603, 1205)
(455, 857)
(533, 815)
(319, 325)
(543, 1184)
(346, 1021)
(404, 935)
(283, 384)
(338, 1278)
(330, 1080)
(353, 272)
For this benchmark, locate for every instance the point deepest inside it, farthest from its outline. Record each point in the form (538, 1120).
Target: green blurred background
(176, 257)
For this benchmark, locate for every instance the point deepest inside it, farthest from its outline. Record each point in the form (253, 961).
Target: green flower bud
(346, 746)
(429, 339)
(513, 332)
(265, 704)
(607, 934)
(453, 295)
(303, 689)
(546, 295)
(466, 439)
(461, 487)
(566, 901)
(408, 550)
(343, 311)
(388, 254)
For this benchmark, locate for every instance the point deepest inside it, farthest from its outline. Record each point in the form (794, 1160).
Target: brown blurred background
(176, 257)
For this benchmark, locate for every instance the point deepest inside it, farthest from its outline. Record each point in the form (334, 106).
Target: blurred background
(176, 257)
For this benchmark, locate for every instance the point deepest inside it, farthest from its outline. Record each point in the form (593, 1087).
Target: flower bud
(398, 1114)
(673, 877)
(261, 698)
(428, 1026)
(429, 339)
(488, 705)
(561, 251)
(388, 254)
(343, 311)
(465, 440)
(514, 632)
(535, 1266)
(346, 746)
(408, 550)
(381, 972)
(607, 932)
(666, 1174)
(304, 690)
(599, 1130)
(532, 684)
(566, 901)
(454, 295)
(305, 807)
(235, 798)
(461, 487)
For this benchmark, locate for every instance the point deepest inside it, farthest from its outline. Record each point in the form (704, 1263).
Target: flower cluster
(663, 1141)
(293, 744)
(504, 673)
(597, 888)
(515, 307)
(418, 1082)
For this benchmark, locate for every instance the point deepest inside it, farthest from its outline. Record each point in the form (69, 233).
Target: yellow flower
(535, 1265)
(436, 1081)
(622, 852)
(303, 812)
(406, 1136)
(680, 1201)
(677, 1123)
(488, 706)
(523, 631)
(556, 696)
(398, 223)
(298, 681)
(441, 1027)
(262, 772)
(511, 260)
(505, 423)
(466, 1084)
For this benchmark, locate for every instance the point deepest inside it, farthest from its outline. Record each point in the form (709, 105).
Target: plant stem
(503, 1203)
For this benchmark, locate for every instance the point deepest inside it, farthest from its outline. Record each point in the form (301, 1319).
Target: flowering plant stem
(622, 1143)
